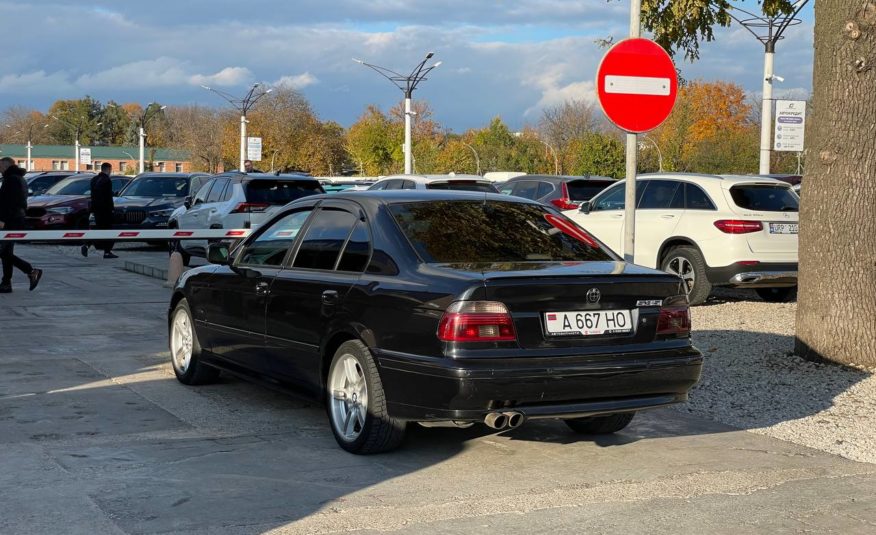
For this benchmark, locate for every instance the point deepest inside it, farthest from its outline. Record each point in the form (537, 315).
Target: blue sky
(508, 58)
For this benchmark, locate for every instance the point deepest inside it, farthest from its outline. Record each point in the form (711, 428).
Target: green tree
(72, 116)
(373, 145)
(116, 124)
(599, 153)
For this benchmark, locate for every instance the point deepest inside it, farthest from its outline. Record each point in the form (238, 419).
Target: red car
(65, 205)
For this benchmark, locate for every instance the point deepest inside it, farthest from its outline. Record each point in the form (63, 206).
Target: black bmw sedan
(149, 200)
(454, 307)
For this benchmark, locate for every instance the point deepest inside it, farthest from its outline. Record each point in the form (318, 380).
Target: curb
(145, 269)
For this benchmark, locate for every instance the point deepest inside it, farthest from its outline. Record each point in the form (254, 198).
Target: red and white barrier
(122, 235)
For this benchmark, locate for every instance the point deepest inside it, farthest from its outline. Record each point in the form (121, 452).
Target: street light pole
(659, 152)
(407, 83)
(767, 30)
(243, 105)
(477, 158)
(78, 128)
(144, 118)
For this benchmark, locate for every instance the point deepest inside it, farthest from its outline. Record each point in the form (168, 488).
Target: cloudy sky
(500, 57)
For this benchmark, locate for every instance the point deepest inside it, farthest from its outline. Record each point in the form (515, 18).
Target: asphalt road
(96, 436)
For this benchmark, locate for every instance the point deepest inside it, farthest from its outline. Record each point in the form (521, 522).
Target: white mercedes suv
(738, 231)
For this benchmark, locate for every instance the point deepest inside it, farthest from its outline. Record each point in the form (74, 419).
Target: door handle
(329, 297)
(263, 288)
(667, 216)
(617, 216)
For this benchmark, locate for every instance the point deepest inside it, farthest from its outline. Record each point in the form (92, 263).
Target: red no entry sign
(637, 85)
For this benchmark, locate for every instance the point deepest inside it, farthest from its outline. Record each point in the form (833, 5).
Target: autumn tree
(197, 130)
(20, 125)
(836, 310)
(72, 116)
(373, 143)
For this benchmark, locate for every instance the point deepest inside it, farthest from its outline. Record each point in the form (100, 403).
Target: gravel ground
(752, 380)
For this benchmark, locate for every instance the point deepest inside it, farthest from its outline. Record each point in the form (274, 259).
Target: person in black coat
(102, 207)
(13, 205)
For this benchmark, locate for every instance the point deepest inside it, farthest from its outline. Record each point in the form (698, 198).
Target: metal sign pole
(632, 147)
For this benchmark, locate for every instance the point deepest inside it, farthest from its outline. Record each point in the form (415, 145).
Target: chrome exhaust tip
(515, 419)
(496, 420)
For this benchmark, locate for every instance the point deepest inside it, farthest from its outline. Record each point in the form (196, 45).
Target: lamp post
(78, 130)
(549, 146)
(477, 158)
(141, 134)
(659, 153)
(407, 83)
(30, 127)
(767, 30)
(243, 105)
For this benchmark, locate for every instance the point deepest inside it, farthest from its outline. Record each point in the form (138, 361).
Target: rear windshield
(157, 186)
(584, 190)
(280, 191)
(765, 198)
(71, 186)
(493, 231)
(463, 185)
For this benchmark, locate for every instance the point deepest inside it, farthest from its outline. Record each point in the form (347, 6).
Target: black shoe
(35, 277)
(109, 255)
(84, 251)
(5, 288)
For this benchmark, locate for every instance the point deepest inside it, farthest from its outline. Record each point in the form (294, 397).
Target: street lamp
(659, 153)
(548, 145)
(30, 127)
(243, 105)
(767, 30)
(477, 158)
(141, 134)
(407, 83)
(78, 129)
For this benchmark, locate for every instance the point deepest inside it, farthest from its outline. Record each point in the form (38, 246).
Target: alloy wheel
(682, 267)
(349, 397)
(181, 341)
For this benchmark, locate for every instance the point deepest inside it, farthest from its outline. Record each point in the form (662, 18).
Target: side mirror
(585, 207)
(29, 192)
(217, 253)
(187, 202)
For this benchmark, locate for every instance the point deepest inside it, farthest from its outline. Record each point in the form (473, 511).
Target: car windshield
(765, 198)
(463, 185)
(493, 231)
(71, 186)
(280, 192)
(157, 186)
(584, 190)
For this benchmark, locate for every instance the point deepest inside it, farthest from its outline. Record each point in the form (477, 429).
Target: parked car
(447, 306)
(149, 200)
(236, 200)
(564, 192)
(66, 204)
(354, 185)
(710, 230)
(437, 182)
(38, 182)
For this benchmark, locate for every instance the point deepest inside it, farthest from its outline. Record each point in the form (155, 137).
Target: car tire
(689, 264)
(360, 427)
(185, 349)
(777, 295)
(600, 425)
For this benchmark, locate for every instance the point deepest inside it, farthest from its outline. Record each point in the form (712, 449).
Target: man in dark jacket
(102, 207)
(13, 205)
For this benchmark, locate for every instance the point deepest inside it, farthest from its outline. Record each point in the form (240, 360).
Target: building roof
(97, 153)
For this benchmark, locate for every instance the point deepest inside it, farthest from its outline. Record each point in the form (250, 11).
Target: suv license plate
(588, 323)
(784, 228)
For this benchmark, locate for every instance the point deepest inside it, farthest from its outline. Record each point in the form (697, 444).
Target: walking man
(102, 207)
(13, 205)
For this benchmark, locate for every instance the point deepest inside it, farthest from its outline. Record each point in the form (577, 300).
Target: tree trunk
(836, 313)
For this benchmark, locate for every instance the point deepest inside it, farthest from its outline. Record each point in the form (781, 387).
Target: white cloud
(34, 82)
(298, 81)
(229, 76)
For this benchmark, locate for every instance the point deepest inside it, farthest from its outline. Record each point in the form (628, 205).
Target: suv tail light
(674, 320)
(476, 321)
(564, 202)
(738, 226)
(250, 207)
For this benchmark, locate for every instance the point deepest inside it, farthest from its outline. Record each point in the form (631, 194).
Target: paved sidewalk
(97, 437)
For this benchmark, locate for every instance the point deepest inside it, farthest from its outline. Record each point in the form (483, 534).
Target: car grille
(36, 212)
(130, 217)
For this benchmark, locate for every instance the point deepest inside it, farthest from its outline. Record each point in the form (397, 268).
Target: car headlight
(62, 210)
(163, 213)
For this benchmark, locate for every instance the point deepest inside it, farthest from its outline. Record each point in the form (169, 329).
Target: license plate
(588, 323)
(784, 228)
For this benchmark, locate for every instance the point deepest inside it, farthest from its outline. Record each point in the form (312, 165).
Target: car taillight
(249, 207)
(564, 202)
(674, 320)
(476, 321)
(738, 226)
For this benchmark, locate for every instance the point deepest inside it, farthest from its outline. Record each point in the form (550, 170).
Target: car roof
(170, 175)
(413, 195)
(723, 180)
(425, 179)
(560, 178)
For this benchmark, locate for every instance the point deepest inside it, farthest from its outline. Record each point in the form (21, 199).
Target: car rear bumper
(760, 275)
(423, 388)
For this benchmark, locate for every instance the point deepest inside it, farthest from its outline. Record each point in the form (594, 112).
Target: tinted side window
(658, 195)
(409, 184)
(324, 239)
(229, 190)
(217, 189)
(271, 246)
(378, 186)
(611, 200)
(544, 188)
(201, 195)
(697, 198)
(766, 198)
(394, 184)
(357, 250)
(528, 189)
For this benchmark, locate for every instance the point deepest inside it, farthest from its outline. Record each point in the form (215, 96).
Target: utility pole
(30, 127)
(144, 118)
(767, 30)
(243, 105)
(407, 83)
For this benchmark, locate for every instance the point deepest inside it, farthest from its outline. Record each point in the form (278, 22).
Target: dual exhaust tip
(504, 420)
